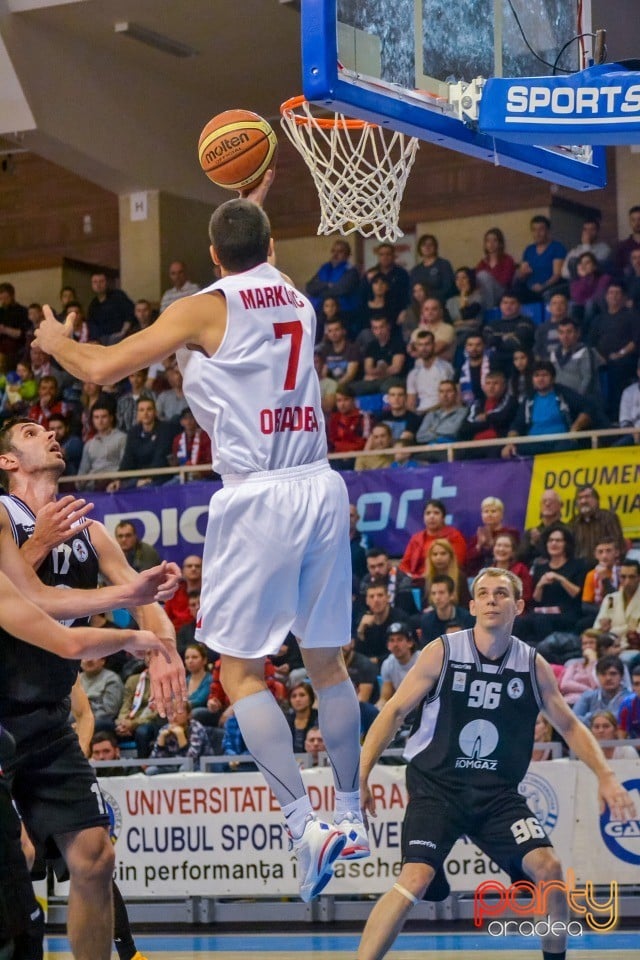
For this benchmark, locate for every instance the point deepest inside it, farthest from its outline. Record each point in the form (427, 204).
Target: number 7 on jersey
(293, 329)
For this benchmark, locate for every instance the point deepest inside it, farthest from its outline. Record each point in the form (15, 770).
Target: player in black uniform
(54, 786)
(477, 694)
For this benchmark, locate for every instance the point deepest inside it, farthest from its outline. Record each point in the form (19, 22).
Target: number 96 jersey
(258, 397)
(476, 727)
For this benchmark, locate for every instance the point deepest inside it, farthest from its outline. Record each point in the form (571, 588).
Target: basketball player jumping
(478, 693)
(66, 556)
(276, 554)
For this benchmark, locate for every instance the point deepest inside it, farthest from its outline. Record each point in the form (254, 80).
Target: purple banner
(173, 518)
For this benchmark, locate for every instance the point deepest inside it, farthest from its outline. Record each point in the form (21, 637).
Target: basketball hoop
(360, 170)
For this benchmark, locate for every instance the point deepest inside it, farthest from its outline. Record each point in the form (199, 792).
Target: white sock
(297, 814)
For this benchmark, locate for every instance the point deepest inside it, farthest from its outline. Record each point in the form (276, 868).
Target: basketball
(236, 148)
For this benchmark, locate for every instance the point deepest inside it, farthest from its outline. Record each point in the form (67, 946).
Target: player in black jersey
(477, 694)
(54, 786)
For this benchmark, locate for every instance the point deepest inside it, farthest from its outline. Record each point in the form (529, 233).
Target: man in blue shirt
(540, 272)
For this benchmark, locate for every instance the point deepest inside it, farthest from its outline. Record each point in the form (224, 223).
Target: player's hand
(258, 194)
(59, 520)
(168, 681)
(614, 795)
(50, 331)
(367, 803)
(141, 642)
(158, 584)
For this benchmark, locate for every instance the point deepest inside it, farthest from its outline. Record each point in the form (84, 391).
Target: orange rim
(325, 123)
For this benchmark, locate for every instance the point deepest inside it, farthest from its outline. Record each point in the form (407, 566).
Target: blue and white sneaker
(357, 845)
(317, 849)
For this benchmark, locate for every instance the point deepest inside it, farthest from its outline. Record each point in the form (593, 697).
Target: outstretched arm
(583, 743)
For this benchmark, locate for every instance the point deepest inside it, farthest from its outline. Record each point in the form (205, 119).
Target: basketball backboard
(394, 62)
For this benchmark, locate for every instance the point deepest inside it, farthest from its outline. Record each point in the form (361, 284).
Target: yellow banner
(614, 472)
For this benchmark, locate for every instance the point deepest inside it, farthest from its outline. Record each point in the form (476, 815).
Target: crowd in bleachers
(546, 345)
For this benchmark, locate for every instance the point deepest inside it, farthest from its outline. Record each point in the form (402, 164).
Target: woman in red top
(499, 265)
(504, 552)
(413, 561)
(480, 545)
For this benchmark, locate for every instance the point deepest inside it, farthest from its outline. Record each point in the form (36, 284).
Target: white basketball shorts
(277, 559)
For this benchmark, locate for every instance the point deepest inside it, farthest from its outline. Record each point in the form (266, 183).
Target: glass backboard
(392, 62)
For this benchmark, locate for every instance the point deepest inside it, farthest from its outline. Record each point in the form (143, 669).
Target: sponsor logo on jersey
(80, 551)
(622, 837)
(423, 843)
(515, 688)
(461, 666)
(541, 798)
(478, 740)
(459, 682)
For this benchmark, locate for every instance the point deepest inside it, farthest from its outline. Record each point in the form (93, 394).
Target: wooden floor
(327, 946)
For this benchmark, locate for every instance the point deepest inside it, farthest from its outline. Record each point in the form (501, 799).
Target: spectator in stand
(557, 585)
(177, 608)
(137, 720)
(362, 673)
(474, 367)
(402, 421)
(44, 365)
(181, 287)
(377, 305)
(91, 394)
(380, 438)
(603, 579)
(140, 555)
(629, 415)
(170, 403)
(444, 422)
(588, 289)
(609, 692)
(626, 247)
(347, 428)
(504, 557)
(491, 416)
(20, 391)
(186, 634)
(196, 662)
(110, 315)
(14, 326)
(104, 746)
(632, 281)
(620, 611)
(70, 443)
(148, 446)
(105, 692)
(496, 270)
(432, 319)
(589, 243)
(576, 365)
(540, 270)
(546, 335)
(550, 409)
(441, 559)
(531, 549)
(629, 711)
(80, 327)
(432, 270)
(191, 447)
(340, 357)
(579, 674)
(144, 314)
(67, 296)
(511, 331)
(435, 528)
(371, 633)
(330, 310)
(466, 307)
(218, 709)
(428, 373)
(302, 713)
(403, 654)
(402, 458)
(127, 409)
(604, 727)
(48, 403)
(337, 278)
(180, 737)
(399, 293)
(103, 452)
(358, 553)
(542, 734)
(443, 610)
(314, 745)
(384, 359)
(381, 570)
(521, 380)
(409, 318)
(591, 524)
(480, 545)
(615, 334)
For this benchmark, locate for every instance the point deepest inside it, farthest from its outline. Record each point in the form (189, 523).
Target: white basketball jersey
(258, 397)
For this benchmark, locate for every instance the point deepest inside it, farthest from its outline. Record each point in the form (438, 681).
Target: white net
(359, 169)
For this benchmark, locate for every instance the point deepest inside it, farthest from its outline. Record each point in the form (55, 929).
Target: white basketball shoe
(317, 849)
(357, 845)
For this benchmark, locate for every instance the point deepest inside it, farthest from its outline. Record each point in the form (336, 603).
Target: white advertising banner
(223, 835)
